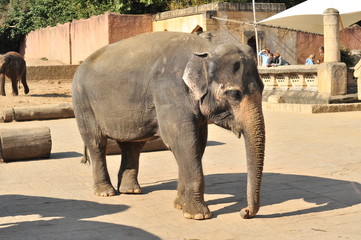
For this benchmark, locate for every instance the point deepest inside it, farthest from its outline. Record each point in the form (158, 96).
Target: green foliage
(347, 58)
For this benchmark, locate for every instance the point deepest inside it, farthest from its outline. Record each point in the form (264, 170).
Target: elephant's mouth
(222, 116)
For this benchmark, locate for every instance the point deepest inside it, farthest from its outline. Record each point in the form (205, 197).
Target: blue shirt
(309, 61)
(264, 58)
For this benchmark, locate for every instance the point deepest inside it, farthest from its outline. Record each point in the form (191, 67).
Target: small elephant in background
(13, 66)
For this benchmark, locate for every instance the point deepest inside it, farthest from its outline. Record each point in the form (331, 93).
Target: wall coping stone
(220, 6)
(288, 69)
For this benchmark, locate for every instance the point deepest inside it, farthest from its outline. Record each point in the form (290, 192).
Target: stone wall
(71, 43)
(280, 40)
(180, 24)
(212, 17)
(51, 72)
(49, 43)
(88, 35)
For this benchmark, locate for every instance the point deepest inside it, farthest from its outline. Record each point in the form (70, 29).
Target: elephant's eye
(236, 66)
(234, 95)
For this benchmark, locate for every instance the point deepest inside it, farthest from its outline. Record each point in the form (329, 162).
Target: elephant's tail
(85, 159)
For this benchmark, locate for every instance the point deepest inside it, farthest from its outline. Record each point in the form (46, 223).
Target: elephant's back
(145, 49)
(14, 56)
(135, 62)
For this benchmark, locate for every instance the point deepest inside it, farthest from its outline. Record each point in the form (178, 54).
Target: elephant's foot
(193, 209)
(104, 190)
(246, 213)
(129, 186)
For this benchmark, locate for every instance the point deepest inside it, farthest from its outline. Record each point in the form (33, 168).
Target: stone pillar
(332, 79)
(332, 74)
(331, 35)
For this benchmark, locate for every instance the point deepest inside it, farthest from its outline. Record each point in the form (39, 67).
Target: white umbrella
(308, 16)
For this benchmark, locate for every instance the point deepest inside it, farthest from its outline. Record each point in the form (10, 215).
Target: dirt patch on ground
(41, 92)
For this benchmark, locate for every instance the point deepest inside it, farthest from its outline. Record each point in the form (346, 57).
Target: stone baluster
(283, 81)
(269, 81)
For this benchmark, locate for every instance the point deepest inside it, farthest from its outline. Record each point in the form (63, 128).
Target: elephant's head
(227, 84)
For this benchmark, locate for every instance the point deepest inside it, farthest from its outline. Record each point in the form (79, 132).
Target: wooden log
(24, 143)
(8, 115)
(155, 145)
(43, 112)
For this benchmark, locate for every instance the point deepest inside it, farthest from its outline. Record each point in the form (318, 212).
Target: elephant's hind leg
(128, 172)
(14, 83)
(23, 81)
(102, 185)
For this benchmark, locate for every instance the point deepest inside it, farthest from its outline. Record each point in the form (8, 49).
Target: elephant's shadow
(61, 219)
(325, 194)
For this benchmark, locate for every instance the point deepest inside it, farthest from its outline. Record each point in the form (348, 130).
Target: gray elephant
(13, 66)
(169, 85)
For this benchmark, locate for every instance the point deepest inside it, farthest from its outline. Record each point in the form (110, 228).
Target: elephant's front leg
(128, 172)
(2, 83)
(188, 146)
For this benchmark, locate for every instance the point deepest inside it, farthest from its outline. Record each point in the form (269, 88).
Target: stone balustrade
(290, 77)
(309, 84)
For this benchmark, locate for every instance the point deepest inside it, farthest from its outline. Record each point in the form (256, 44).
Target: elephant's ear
(195, 75)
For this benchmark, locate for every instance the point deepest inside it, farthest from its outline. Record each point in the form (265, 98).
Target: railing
(290, 77)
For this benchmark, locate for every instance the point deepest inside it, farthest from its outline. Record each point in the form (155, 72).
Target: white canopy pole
(255, 29)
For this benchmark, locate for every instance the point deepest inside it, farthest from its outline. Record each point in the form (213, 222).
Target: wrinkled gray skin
(168, 85)
(13, 66)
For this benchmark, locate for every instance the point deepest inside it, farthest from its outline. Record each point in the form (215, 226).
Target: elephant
(13, 66)
(169, 85)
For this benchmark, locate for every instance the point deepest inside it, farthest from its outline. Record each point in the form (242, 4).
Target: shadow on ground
(62, 155)
(53, 95)
(67, 219)
(325, 194)
(53, 156)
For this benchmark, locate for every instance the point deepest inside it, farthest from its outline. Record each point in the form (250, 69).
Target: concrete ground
(311, 187)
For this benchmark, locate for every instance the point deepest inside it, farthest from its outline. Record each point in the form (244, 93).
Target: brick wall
(126, 26)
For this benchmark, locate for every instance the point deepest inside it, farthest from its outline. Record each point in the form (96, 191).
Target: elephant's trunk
(253, 130)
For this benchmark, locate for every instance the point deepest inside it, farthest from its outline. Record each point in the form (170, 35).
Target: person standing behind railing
(279, 60)
(309, 60)
(264, 55)
(321, 56)
(270, 60)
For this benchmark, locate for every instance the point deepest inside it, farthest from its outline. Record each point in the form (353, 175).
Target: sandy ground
(311, 188)
(41, 92)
